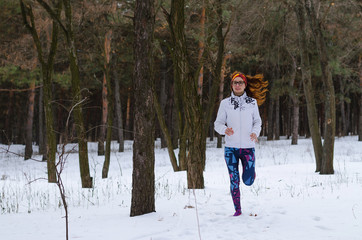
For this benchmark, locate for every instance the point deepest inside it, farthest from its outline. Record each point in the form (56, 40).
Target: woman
(238, 118)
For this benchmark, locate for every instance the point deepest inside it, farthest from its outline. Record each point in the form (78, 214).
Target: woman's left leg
(247, 156)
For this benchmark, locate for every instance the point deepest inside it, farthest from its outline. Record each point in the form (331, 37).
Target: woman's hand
(253, 137)
(229, 131)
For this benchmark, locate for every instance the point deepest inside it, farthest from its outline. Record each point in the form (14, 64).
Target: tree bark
(221, 92)
(77, 98)
(47, 71)
(294, 93)
(42, 140)
(277, 118)
(343, 123)
(128, 117)
(166, 133)
(118, 113)
(29, 123)
(163, 93)
(270, 135)
(190, 97)
(201, 50)
(102, 128)
(307, 85)
(143, 177)
(330, 106)
(110, 102)
(76, 92)
(8, 114)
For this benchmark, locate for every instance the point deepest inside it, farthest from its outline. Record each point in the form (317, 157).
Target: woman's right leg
(232, 162)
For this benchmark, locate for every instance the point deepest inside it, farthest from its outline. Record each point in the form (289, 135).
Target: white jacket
(242, 115)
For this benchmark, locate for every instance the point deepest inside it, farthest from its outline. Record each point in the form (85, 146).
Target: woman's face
(238, 86)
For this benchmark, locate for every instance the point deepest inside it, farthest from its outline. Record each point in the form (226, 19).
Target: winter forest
(108, 109)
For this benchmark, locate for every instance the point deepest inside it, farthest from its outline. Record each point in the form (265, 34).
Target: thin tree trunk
(76, 92)
(128, 118)
(77, 99)
(307, 85)
(270, 119)
(163, 94)
(102, 128)
(295, 124)
(166, 133)
(277, 118)
(201, 50)
(42, 140)
(143, 177)
(8, 115)
(221, 92)
(171, 121)
(211, 122)
(343, 122)
(47, 71)
(294, 92)
(29, 123)
(118, 113)
(110, 103)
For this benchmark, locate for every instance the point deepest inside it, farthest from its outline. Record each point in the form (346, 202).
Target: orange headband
(239, 75)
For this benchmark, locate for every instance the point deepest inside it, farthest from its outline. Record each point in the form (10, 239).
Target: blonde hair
(256, 86)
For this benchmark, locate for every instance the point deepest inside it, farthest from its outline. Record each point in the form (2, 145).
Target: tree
(47, 72)
(143, 177)
(307, 85)
(29, 123)
(67, 28)
(197, 115)
(110, 102)
(316, 25)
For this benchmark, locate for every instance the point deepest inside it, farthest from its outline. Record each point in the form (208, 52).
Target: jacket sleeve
(256, 121)
(220, 122)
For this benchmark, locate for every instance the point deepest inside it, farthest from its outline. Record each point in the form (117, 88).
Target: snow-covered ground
(287, 201)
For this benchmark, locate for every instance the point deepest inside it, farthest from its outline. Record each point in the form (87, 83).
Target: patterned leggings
(247, 157)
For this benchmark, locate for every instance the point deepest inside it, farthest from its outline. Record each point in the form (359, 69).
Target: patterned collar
(240, 101)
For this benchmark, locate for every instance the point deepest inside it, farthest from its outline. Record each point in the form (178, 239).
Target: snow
(287, 201)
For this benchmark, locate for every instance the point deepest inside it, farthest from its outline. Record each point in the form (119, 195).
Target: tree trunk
(295, 120)
(270, 119)
(42, 140)
(77, 99)
(221, 92)
(8, 114)
(190, 97)
(110, 103)
(211, 122)
(118, 113)
(128, 117)
(195, 165)
(343, 122)
(307, 85)
(277, 118)
(102, 128)
(165, 132)
(47, 71)
(143, 177)
(329, 103)
(201, 50)
(294, 93)
(29, 123)
(163, 94)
